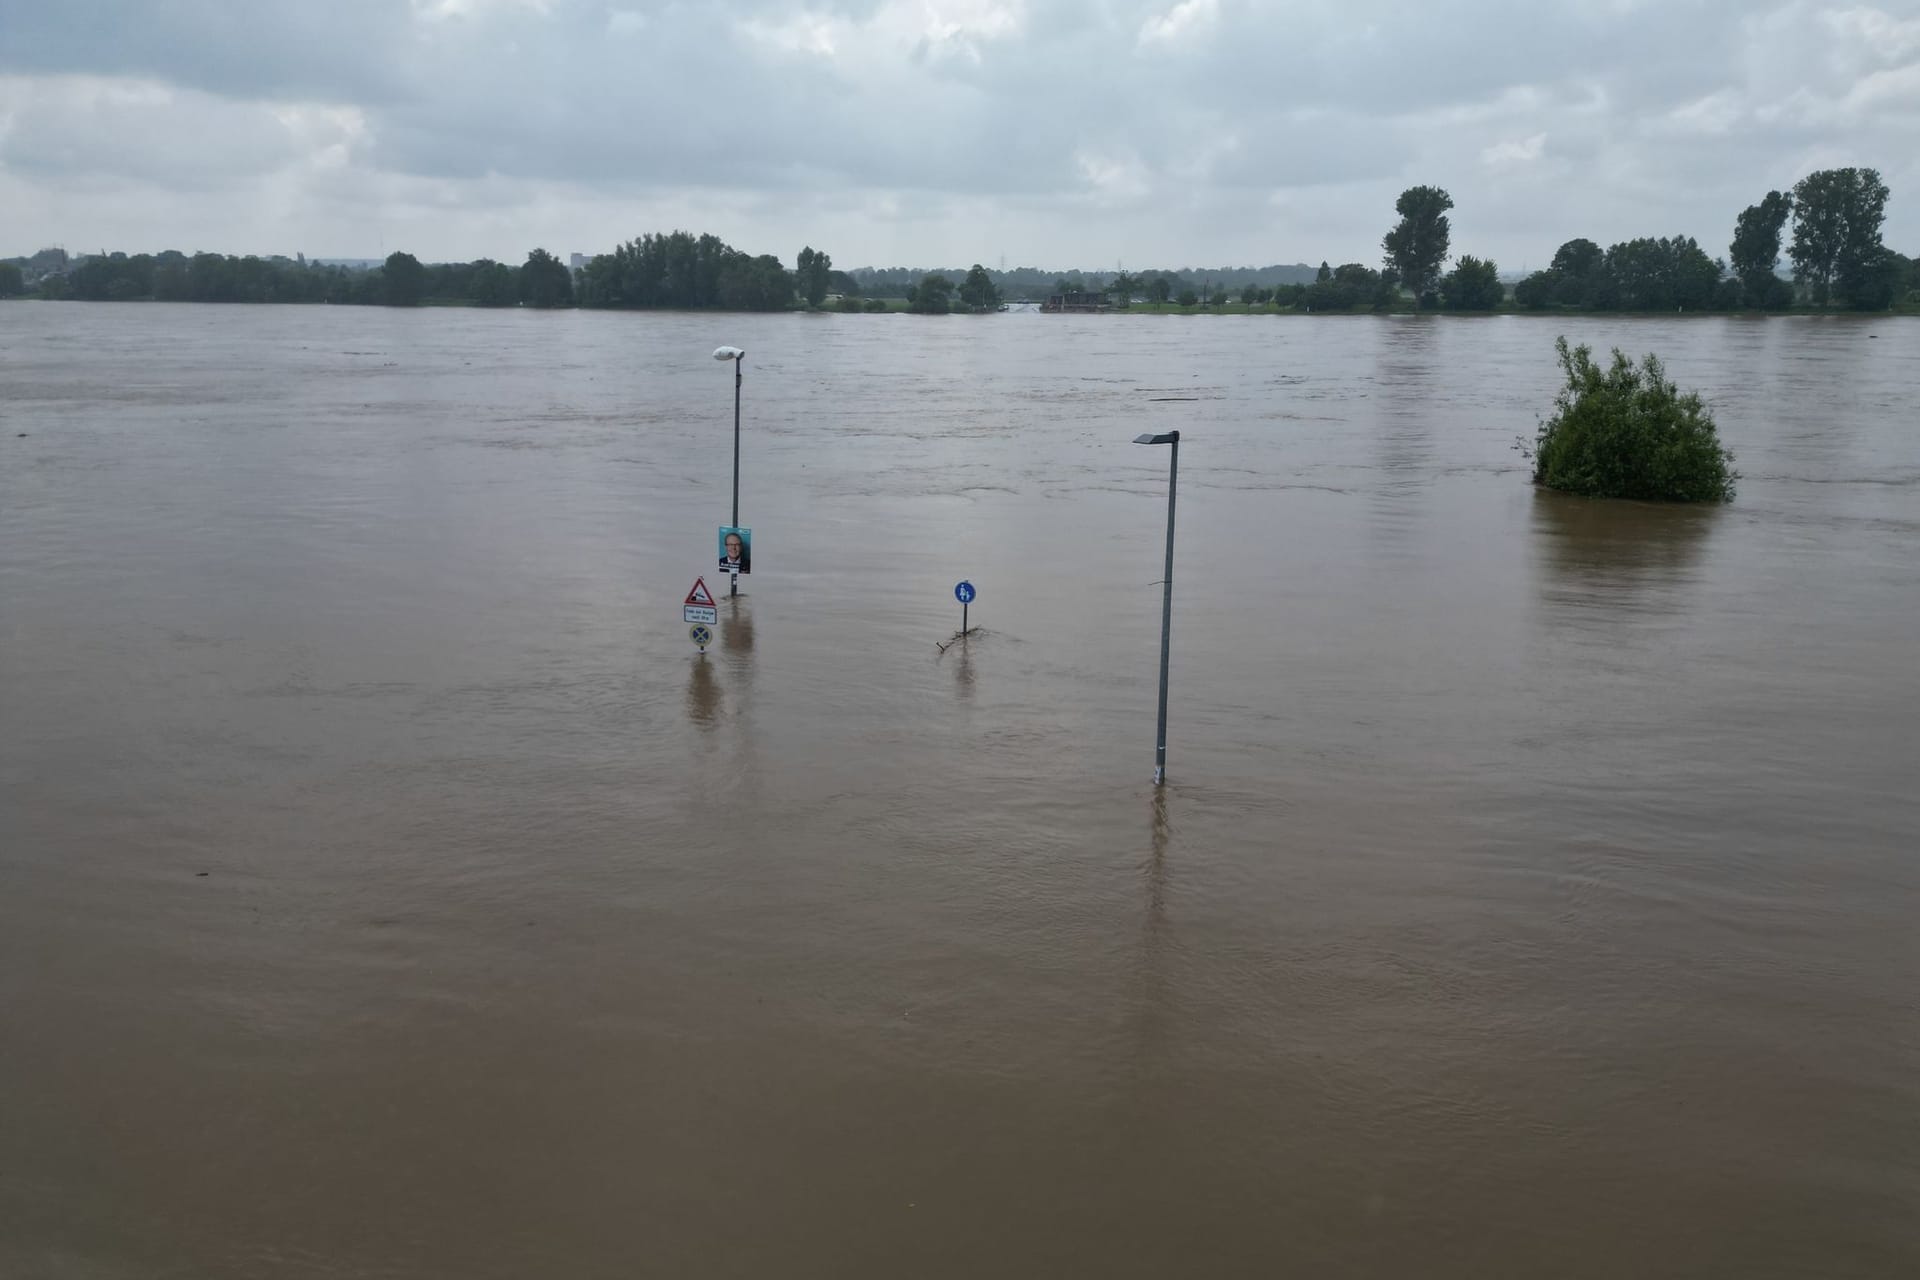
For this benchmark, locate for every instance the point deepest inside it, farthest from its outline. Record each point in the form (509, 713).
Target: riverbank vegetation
(1837, 256)
(1626, 431)
(684, 271)
(401, 281)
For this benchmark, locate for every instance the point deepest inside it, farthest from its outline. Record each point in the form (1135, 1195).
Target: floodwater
(388, 889)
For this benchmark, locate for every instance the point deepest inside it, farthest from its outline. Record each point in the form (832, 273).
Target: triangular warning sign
(700, 594)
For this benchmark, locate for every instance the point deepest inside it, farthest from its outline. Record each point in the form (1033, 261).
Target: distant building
(576, 260)
(47, 262)
(1075, 301)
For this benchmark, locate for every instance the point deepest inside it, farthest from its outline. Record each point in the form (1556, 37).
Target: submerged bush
(1627, 432)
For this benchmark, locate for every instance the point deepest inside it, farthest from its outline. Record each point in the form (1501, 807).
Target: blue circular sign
(964, 593)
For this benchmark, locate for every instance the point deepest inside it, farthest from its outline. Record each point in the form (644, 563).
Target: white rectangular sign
(701, 613)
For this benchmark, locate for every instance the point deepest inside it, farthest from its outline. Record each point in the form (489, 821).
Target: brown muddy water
(388, 890)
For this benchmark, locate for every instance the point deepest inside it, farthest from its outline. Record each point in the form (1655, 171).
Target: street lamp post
(736, 355)
(1166, 598)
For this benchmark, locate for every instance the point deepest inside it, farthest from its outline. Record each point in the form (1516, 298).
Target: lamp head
(728, 353)
(1165, 437)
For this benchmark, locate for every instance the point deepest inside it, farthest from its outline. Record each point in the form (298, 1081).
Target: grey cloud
(342, 50)
(96, 127)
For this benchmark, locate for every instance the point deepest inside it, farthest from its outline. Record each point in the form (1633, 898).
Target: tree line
(682, 270)
(676, 269)
(1837, 255)
(1035, 283)
(679, 269)
(401, 281)
(1836, 252)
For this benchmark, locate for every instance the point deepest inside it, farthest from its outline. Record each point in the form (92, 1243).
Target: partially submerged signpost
(963, 592)
(702, 613)
(736, 355)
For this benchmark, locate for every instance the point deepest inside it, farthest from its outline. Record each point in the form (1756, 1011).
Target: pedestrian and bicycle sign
(963, 592)
(699, 607)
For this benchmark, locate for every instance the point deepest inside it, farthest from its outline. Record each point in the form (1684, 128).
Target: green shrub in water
(1626, 432)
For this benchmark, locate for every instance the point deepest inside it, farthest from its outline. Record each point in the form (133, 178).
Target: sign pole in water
(736, 355)
(963, 592)
(1166, 599)
(701, 613)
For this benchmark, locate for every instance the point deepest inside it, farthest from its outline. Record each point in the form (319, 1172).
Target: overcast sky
(1054, 133)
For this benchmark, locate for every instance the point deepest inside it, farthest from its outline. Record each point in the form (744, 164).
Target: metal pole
(1166, 618)
(963, 617)
(734, 589)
